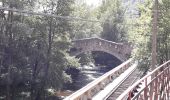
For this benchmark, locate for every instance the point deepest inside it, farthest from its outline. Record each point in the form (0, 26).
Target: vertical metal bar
(130, 96)
(164, 85)
(150, 91)
(159, 86)
(155, 88)
(168, 77)
(145, 90)
(167, 83)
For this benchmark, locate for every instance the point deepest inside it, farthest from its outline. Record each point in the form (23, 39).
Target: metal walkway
(115, 84)
(125, 84)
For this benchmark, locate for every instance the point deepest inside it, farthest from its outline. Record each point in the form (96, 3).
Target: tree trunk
(33, 79)
(46, 69)
(9, 34)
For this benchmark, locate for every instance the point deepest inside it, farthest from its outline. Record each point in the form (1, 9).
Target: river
(83, 76)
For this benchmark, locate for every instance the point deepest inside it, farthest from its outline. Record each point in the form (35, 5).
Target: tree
(112, 13)
(34, 49)
(163, 36)
(141, 34)
(85, 29)
(14, 62)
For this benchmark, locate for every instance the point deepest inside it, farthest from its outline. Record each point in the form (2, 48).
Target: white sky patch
(93, 2)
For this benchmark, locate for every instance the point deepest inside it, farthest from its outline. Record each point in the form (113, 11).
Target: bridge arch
(119, 50)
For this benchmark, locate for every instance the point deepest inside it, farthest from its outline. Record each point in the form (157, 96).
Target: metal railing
(87, 92)
(156, 86)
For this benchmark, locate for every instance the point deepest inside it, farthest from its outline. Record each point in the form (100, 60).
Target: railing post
(145, 90)
(151, 90)
(167, 83)
(164, 85)
(161, 86)
(156, 87)
(130, 95)
(168, 79)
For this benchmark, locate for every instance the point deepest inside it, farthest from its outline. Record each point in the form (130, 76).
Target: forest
(34, 49)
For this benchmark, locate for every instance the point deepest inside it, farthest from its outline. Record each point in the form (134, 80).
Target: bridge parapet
(119, 50)
(155, 88)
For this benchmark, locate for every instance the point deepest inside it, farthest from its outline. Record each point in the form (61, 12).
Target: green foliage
(164, 32)
(86, 58)
(85, 29)
(141, 34)
(34, 49)
(112, 14)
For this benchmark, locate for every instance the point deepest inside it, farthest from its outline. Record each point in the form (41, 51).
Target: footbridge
(119, 50)
(125, 82)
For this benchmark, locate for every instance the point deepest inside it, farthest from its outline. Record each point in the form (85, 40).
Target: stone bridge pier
(119, 50)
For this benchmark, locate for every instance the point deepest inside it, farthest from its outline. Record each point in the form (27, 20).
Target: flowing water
(88, 74)
(83, 76)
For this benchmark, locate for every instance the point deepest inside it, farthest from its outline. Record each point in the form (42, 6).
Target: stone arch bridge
(119, 50)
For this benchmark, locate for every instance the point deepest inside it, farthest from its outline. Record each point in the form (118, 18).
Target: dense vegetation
(141, 34)
(112, 12)
(34, 49)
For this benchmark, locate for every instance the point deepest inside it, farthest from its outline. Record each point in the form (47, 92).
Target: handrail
(104, 79)
(153, 82)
